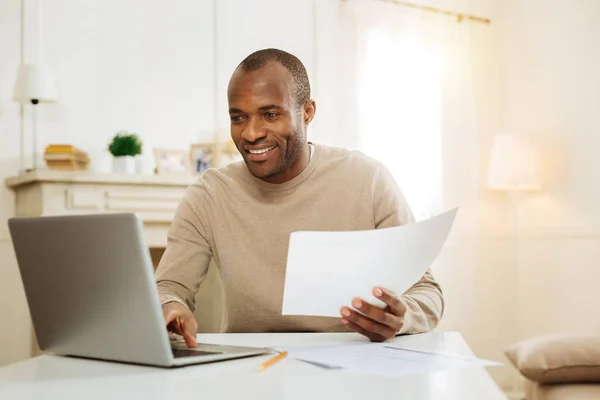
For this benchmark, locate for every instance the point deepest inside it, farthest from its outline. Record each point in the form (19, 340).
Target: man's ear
(310, 108)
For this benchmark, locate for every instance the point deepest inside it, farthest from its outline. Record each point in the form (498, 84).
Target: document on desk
(326, 270)
(382, 359)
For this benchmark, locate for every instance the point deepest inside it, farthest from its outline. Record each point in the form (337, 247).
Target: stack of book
(66, 157)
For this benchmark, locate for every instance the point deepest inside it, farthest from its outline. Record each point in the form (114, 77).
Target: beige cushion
(558, 358)
(567, 391)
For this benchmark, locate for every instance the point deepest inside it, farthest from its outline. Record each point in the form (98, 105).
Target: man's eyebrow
(235, 111)
(270, 107)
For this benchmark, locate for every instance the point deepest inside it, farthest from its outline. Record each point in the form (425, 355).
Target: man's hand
(180, 320)
(377, 324)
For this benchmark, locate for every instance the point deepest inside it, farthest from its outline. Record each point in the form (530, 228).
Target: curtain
(415, 98)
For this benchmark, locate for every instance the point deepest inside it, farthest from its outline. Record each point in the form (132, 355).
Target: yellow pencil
(273, 360)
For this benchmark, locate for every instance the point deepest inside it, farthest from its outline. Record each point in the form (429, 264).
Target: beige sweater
(245, 223)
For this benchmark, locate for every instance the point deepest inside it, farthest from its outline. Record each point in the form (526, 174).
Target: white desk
(51, 377)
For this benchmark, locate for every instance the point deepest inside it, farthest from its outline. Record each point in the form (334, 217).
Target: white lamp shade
(34, 81)
(514, 164)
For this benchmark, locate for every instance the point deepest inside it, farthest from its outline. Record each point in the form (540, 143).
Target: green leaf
(125, 144)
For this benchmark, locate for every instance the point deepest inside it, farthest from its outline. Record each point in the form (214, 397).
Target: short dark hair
(301, 85)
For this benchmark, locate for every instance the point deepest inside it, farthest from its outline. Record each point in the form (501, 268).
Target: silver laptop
(90, 287)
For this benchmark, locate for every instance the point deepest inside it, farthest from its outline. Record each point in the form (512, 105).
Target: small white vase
(124, 165)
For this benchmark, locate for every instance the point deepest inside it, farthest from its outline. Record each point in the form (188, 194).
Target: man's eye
(271, 115)
(236, 118)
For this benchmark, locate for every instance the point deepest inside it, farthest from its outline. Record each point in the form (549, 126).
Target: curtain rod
(459, 16)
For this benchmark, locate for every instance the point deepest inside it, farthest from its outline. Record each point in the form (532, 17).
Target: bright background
(421, 92)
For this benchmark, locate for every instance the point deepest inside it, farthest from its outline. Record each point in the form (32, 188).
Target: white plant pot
(124, 165)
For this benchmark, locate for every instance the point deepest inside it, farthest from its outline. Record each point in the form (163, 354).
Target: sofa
(559, 366)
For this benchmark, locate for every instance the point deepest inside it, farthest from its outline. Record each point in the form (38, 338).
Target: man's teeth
(261, 150)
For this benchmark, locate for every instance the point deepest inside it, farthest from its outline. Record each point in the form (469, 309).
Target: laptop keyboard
(178, 353)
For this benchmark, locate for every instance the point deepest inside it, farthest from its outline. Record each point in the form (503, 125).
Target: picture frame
(172, 161)
(202, 156)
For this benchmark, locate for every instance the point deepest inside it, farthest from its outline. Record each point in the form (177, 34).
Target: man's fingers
(377, 314)
(181, 321)
(396, 305)
(373, 337)
(189, 333)
(367, 323)
(185, 328)
(190, 340)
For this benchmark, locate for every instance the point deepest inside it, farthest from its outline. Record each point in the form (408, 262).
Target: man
(242, 215)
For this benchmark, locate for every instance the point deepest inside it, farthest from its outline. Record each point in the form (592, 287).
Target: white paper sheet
(381, 359)
(326, 270)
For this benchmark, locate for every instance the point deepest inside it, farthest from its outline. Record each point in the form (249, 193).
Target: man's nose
(254, 130)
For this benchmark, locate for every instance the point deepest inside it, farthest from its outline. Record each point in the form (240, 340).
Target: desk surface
(52, 377)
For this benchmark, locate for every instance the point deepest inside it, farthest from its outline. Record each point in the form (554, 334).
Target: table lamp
(514, 164)
(34, 84)
(514, 168)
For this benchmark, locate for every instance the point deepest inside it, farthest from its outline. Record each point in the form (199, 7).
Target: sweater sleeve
(188, 253)
(424, 300)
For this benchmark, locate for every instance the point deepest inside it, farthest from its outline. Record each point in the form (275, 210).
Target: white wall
(553, 85)
(550, 73)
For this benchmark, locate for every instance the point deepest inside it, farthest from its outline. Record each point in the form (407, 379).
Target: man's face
(267, 127)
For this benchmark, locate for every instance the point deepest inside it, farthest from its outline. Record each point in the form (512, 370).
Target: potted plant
(124, 147)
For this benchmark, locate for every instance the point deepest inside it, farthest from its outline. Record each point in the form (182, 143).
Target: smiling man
(242, 215)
